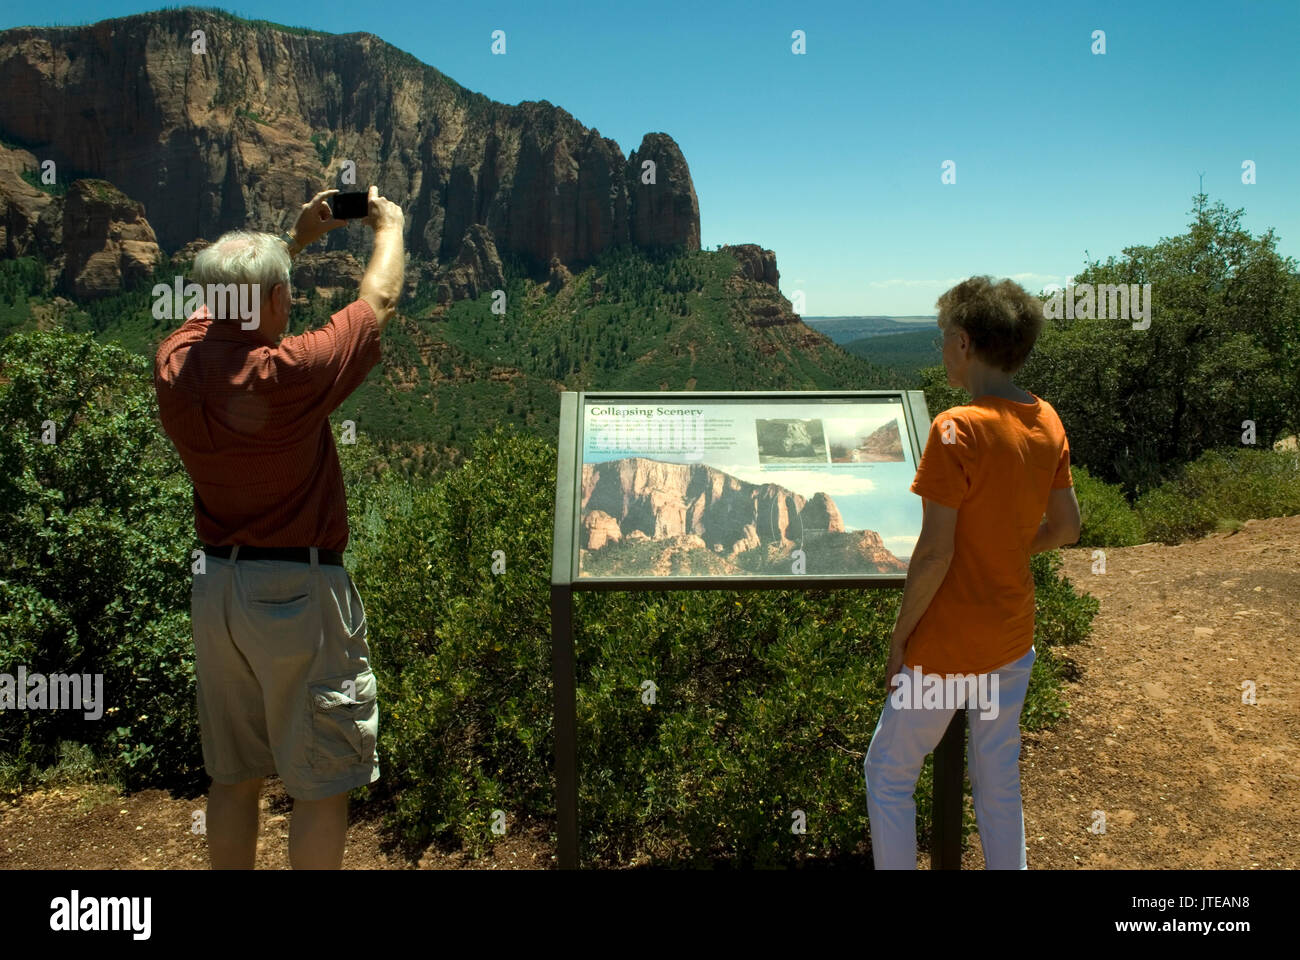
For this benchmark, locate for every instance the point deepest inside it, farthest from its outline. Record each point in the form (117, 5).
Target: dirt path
(1158, 739)
(94, 829)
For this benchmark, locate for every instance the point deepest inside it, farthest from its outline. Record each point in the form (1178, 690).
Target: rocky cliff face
(243, 133)
(95, 238)
(671, 499)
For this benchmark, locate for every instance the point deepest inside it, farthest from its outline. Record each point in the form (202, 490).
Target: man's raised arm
(382, 283)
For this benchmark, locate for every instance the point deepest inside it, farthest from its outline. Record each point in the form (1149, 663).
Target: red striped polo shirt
(251, 424)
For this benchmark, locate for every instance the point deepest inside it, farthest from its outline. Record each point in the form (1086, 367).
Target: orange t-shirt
(994, 460)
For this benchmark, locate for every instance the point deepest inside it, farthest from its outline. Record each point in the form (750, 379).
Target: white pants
(898, 748)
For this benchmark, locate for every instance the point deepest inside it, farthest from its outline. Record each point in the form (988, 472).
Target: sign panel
(693, 486)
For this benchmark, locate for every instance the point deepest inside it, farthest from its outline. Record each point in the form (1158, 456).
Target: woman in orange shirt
(964, 638)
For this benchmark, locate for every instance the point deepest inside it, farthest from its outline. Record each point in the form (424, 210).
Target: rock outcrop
(242, 133)
(790, 438)
(822, 514)
(31, 220)
(755, 263)
(559, 276)
(327, 272)
(95, 238)
(107, 243)
(883, 444)
(477, 267)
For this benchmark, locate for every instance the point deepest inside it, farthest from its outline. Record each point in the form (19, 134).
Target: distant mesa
(643, 517)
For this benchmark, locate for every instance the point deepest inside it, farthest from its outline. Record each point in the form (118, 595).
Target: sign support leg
(949, 775)
(565, 726)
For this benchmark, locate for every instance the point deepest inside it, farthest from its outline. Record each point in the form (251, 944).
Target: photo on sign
(790, 441)
(858, 441)
(686, 487)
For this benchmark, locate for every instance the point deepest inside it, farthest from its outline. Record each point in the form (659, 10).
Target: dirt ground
(1158, 740)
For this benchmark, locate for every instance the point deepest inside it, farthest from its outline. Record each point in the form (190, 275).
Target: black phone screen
(349, 206)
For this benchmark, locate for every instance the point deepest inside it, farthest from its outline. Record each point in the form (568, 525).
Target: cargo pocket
(345, 721)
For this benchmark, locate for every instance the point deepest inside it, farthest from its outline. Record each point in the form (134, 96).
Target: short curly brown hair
(1003, 320)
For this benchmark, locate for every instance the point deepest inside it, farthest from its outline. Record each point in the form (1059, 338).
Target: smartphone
(350, 206)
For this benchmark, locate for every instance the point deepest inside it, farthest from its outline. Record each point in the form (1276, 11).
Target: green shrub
(463, 654)
(1221, 488)
(1062, 617)
(77, 765)
(95, 534)
(1107, 518)
(324, 148)
(765, 700)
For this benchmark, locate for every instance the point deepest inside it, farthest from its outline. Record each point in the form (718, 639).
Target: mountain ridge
(242, 133)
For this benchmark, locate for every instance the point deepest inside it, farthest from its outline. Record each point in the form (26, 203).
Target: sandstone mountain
(242, 133)
(642, 516)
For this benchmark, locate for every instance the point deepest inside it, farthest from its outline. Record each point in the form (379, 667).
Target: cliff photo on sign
(689, 486)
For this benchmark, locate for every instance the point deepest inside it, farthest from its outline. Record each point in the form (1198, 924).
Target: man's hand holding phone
(382, 213)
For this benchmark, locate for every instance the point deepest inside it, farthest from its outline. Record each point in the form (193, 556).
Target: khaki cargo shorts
(284, 678)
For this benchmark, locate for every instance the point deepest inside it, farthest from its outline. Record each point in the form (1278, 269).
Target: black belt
(293, 554)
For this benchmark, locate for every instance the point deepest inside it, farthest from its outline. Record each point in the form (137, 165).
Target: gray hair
(243, 256)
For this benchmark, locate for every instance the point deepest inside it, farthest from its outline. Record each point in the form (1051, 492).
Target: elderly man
(281, 659)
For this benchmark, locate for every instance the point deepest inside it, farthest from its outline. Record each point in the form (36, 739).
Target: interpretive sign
(692, 491)
(704, 486)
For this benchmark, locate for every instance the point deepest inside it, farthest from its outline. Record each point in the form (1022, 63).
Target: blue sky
(833, 158)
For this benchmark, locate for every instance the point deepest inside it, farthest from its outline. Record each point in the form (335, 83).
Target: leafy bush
(765, 701)
(1107, 518)
(324, 148)
(463, 654)
(96, 532)
(1222, 487)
